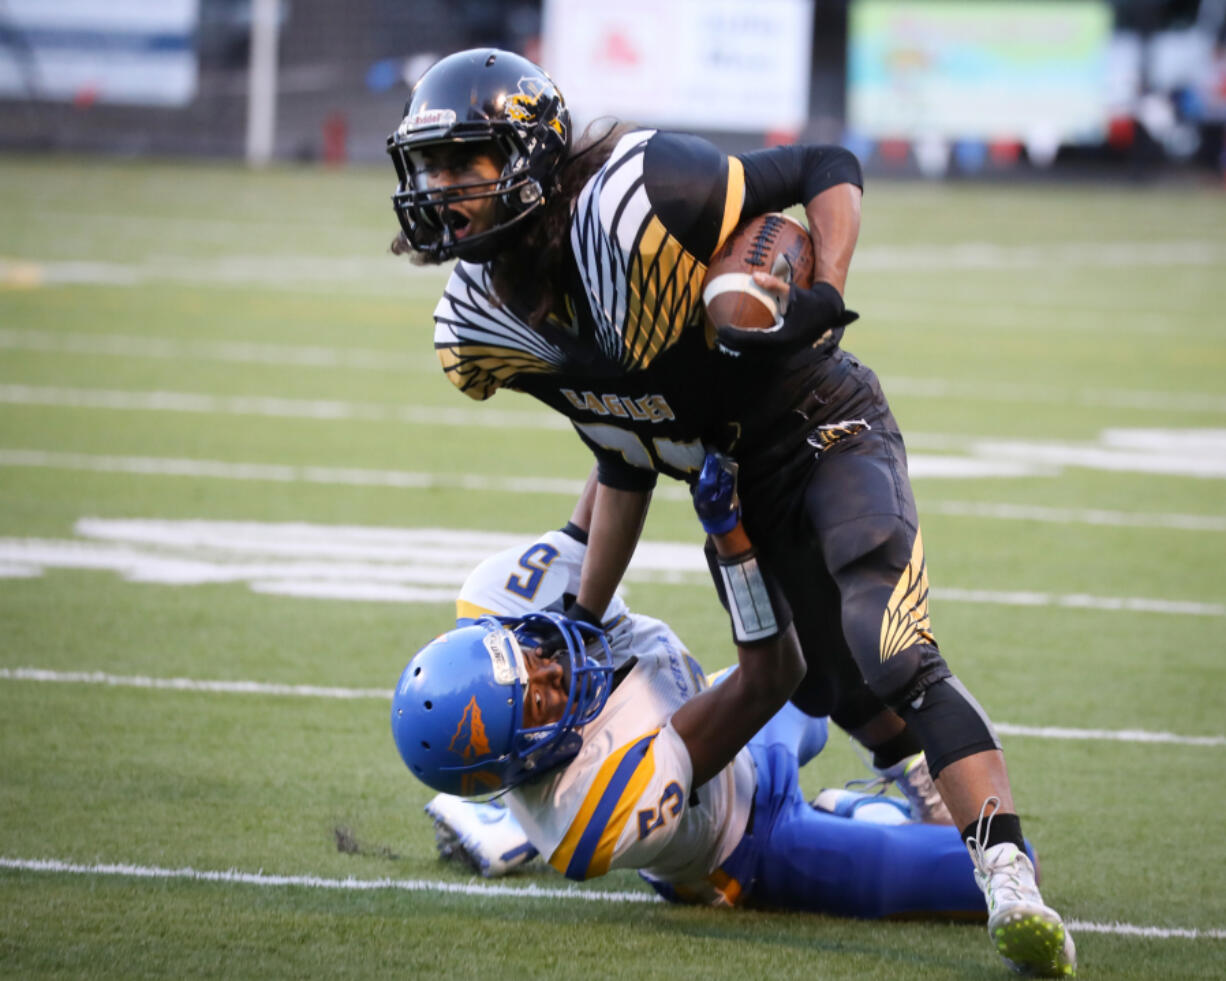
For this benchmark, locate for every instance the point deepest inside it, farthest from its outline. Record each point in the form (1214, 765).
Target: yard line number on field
(396, 565)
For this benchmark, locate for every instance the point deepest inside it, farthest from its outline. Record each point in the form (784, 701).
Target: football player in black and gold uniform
(579, 283)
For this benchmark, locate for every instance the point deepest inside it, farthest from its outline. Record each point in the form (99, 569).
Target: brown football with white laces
(772, 243)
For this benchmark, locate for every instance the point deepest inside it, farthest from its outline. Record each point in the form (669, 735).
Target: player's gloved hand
(715, 497)
(576, 612)
(808, 316)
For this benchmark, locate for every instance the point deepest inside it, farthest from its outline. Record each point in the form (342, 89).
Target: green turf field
(214, 384)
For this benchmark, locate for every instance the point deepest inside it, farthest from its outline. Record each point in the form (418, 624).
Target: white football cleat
(911, 776)
(1028, 934)
(485, 835)
(863, 807)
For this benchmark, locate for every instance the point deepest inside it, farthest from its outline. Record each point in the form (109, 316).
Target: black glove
(576, 612)
(810, 315)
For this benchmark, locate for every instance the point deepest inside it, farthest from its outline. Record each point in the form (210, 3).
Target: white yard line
(1199, 452)
(1108, 735)
(1075, 516)
(381, 694)
(1061, 255)
(921, 466)
(285, 473)
(186, 351)
(316, 882)
(277, 407)
(145, 346)
(483, 889)
(1157, 933)
(350, 476)
(383, 273)
(193, 684)
(1133, 604)
(1115, 398)
(397, 362)
(376, 274)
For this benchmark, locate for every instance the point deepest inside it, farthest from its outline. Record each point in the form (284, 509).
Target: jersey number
(685, 457)
(651, 818)
(536, 562)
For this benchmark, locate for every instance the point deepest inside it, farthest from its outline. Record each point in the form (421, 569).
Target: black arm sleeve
(779, 177)
(687, 184)
(613, 473)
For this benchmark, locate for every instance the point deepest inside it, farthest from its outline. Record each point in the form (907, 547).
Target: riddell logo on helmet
(470, 741)
(429, 118)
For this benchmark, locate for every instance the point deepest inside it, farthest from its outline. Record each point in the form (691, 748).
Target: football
(773, 243)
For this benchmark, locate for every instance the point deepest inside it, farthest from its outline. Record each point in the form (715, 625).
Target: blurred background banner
(127, 52)
(987, 71)
(707, 64)
(935, 88)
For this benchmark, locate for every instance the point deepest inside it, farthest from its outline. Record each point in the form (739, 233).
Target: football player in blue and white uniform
(579, 283)
(609, 723)
(546, 576)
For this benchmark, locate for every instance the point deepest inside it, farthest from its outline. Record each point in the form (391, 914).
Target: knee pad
(949, 723)
(900, 678)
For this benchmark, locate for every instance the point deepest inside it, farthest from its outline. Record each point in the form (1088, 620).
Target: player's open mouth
(456, 221)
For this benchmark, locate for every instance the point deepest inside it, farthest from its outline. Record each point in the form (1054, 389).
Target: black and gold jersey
(633, 363)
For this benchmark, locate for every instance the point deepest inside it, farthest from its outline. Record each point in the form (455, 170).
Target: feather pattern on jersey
(642, 287)
(482, 345)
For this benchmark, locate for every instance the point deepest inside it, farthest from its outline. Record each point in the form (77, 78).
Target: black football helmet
(489, 96)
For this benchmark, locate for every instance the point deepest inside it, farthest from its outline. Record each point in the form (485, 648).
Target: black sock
(894, 749)
(1004, 827)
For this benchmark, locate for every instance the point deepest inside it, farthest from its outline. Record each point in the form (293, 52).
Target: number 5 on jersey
(536, 562)
(651, 818)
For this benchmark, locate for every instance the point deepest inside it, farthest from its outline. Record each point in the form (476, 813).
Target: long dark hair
(528, 277)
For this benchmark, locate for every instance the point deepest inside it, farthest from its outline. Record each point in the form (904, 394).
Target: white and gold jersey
(632, 364)
(627, 801)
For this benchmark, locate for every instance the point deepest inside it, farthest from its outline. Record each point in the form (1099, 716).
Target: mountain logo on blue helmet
(458, 712)
(470, 742)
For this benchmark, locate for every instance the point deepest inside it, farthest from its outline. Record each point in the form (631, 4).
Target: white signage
(134, 52)
(729, 65)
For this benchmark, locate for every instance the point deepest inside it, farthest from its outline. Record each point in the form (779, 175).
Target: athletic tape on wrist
(755, 602)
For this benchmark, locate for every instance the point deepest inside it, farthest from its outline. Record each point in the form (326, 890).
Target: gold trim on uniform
(664, 281)
(905, 621)
(734, 200)
(478, 371)
(640, 302)
(471, 611)
(664, 288)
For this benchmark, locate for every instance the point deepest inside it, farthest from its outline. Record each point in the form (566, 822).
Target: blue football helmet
(491, 100)
(457, 713)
